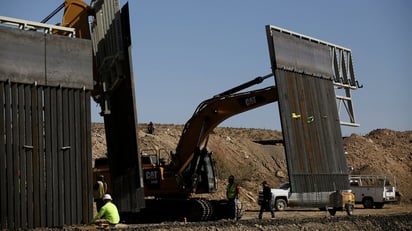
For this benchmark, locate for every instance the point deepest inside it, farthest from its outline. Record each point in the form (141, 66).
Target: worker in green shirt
(108, 213)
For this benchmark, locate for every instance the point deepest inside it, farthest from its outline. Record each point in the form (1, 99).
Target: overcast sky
(187, 51)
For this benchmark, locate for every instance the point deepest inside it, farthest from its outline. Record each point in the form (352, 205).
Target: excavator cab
(200, 175)
(159, 171)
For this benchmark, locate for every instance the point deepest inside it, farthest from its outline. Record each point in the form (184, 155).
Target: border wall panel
(118, 107)
(44, 169)
(310, 122)
(45, 155)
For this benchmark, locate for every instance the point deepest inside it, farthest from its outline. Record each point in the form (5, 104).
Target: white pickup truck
(282, 198)
(372, 190)
(333, 201)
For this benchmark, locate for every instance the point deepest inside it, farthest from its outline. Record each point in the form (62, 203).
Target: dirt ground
(391, 217)
(254, 155)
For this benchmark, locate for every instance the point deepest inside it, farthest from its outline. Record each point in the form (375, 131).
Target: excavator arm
(211, 113)
(191, 149)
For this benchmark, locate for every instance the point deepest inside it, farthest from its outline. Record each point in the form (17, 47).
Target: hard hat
(107, 197)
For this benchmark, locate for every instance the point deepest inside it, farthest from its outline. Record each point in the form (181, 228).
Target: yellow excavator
(191, 169)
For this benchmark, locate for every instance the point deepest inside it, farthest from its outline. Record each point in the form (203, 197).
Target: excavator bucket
(306, 74)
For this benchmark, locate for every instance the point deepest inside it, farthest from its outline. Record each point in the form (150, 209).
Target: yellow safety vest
(231, 191)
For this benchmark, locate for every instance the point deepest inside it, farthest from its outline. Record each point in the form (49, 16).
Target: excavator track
(190, 210)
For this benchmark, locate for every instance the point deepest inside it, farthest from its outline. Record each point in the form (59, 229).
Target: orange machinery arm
(76, 15)
(210, 113)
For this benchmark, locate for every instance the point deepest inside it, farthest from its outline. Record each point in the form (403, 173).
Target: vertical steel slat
(86, 159)
(310, 136)
(29, 153)
(54, 157)
(300, 102)
(37, 166)
(329, 126)
(9, 159)
(66, 152)
(42, 157)
(3, 161)
(59, 157)
(48, 156)
(72, 163)
(22, 169)
(16, 154)
(27, 158)
(316, 124)
(108, 23)
(78, 159)
(88, 167)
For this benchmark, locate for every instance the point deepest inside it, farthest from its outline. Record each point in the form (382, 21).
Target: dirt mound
(383, 152)
(254, 155)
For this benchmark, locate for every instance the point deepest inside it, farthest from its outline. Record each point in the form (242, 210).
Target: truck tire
(379, 205)
(280, 204)
(367, 203)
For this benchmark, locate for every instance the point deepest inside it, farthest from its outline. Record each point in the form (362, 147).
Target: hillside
(254, 155)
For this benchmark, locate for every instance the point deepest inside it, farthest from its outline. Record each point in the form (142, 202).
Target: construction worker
(267, 200)
(232, 194)
(150, 128)
(108, 214)
(100, 188)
